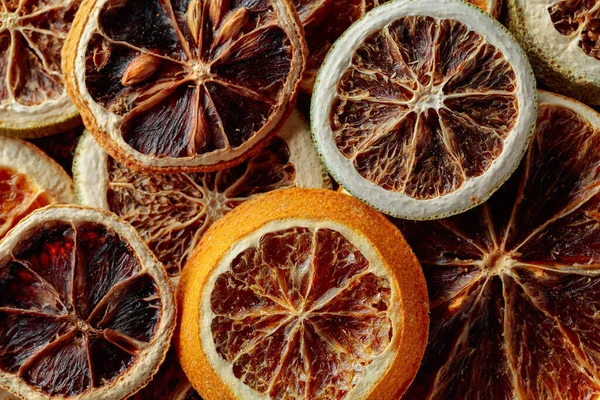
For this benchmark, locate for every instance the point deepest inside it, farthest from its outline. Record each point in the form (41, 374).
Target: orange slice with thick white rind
(518, 278)
(33, 100)
(29, 179)
(324, 22)
(423, 109)
(561, 39)
(302, 293)
(204, 93)
(172, 212)
(86, 310)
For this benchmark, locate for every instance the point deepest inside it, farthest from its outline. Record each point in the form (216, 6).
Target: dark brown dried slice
(202, 89)
(517, 279)
(32, 96)
(578, 19)
(81, 309)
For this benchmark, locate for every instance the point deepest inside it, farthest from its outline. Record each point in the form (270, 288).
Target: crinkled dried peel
(201, 91)
(517, 279)
(33, 100)
(430, 113)
(300, 297)
(173, 212)
(85, 308)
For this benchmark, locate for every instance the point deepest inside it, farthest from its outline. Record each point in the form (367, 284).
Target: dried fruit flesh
(60, 147)
(172, 212)
(301, 315)
(325, 20)
(580, 21)
(210, 81)
(517, 279)
(425, 106)
(19, 196)
(77, 308)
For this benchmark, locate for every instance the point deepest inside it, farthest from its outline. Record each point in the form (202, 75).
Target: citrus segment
(33, 101)
(326, 20)
(86, 311)
(561, 39)
(298, 302)
(421, 111)
(202, 92)
(28, 180)
(173, 212)
(517, 278)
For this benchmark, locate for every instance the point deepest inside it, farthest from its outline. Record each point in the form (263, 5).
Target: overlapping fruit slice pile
(517, 279)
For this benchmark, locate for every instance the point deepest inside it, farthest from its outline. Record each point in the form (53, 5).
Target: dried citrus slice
(60, 147)
(29, 179)
(169, 383)
(325, 20)
(514, 284)
(86, 311)
(202, 90)
(562, 40)
(424, 108)
(33, 100)
(302, 294)
(172, 212)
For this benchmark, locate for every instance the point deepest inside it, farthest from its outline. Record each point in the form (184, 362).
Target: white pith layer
(475, 190)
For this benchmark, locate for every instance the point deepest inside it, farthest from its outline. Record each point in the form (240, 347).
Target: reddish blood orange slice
(29, 179)
(173, 212)
(325, 20)
(302, 294)
(202, 90)
(423, 109)
(514, 284)
(86, 311)
(33, 100)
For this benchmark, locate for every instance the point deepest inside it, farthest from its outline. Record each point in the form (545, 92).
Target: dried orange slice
(86, 311)
(325, 20)
(423, 109)
(33, 100)
(202, 90)
(29, 179)
(562, 40)
(302, 294)
(514, 284)
(173, 212)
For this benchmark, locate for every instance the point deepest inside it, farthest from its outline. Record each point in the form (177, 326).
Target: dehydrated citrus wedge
(86, 311)
(562, 40)
(325, 20)
(424, 108)
(173, 212)
(514, 284)
(29, 179)
(302, 294)
(33, 100)
(202, 90)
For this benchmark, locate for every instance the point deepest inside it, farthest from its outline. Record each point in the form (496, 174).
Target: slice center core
(8, 21)
(200, 71)
(427, 97)
(498, 261)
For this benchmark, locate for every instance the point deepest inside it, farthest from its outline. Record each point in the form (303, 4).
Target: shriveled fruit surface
(562, 38)
(514, 284)
(427, 115)
(325, 20)
(302, 294)
(201, 90)
(173, 212)
(33, 100)
(28, 180)
(85, 309)
(169, 383)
